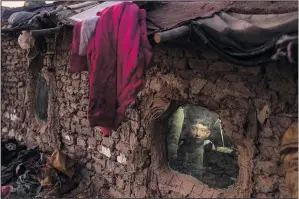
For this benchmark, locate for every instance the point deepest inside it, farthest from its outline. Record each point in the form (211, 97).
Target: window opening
(41, 98)
(197, 146)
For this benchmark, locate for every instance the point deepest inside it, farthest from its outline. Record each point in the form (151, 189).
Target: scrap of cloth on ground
(117, 55)
(29, 173)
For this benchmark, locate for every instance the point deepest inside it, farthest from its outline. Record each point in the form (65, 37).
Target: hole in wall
(197, 146)
(41, 98)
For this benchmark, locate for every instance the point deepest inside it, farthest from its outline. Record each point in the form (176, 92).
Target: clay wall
(256, 105)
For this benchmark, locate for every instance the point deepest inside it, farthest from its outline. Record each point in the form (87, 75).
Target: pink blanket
(117, 55)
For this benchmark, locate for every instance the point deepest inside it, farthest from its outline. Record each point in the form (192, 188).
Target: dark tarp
(247, 39)
(170, 14)
(5, 13)
(29, 173)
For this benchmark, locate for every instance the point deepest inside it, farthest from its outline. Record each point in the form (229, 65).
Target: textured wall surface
(255, 106)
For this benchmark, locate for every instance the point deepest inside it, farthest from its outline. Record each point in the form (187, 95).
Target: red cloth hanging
(117, 55)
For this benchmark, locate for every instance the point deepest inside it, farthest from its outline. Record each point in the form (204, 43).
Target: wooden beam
(45, 31)
(171, 34)
(19, 28)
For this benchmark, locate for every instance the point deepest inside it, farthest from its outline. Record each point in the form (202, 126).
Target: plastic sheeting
(246, 39)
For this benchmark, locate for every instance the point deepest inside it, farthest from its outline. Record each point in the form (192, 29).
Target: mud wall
(255, 105)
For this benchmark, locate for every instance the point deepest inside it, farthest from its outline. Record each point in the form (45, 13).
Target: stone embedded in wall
(115, 135)
(97, 168)
(141, 192)
(4, 130)
(84, 130)
(175, 52)
(111, 164)
(84, 76)
(108, 142)
(120, 183)
(124, 148)
(220, 66)
(115, 193)
(81, 141)
(76, 84)
(210, 55)
(156, 84)
(91, 142)
(105, 151)
(67, 138)
(84, 122)
(121, 158)
(11, 133)
(196, 85)
(76, 76)
(180, 63)
(198, 65)
(102, 161)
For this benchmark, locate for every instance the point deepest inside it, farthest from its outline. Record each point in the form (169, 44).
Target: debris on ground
(31, 173)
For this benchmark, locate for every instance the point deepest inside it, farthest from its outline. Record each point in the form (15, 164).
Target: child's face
(200, 131)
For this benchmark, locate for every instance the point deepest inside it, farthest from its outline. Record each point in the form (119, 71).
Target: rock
(115, 135)
(84, 76)
(9, 57)
(11, 133)
(97, 168)
(70, 89)
(141, 193)
(74, 105)
(92, 143)
(108, 142)
(84, 122)
(105, 151)
(84, 173)
(266, 167)
(88, 165)
(219, 66)
(20, 84)
(68, 139)
(120, 183)
(76, 84)
(121, 159)
(101, 161)
(266, 185)
(133, 140)
(180, 63)
(63, 78)
(264, 114)
(5, 130)
(124, 148)
(198, 64)
(114, 193)
(81, 114)
(175, 52)
(76, 76)
(81, 141)
(156, 84)
(196, 85)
